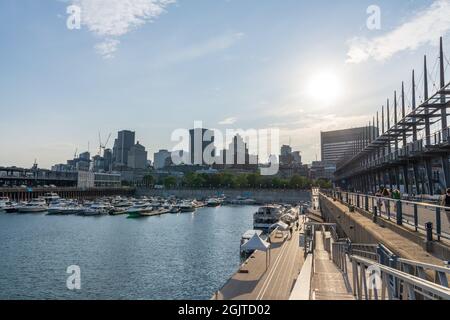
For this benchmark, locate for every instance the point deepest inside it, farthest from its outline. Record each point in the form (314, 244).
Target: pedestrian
(386, 194)
(445, 202)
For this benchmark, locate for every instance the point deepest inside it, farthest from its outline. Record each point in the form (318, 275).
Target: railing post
(388, 209)
(416, 217)
(375, 214)
(399, 213)
(438, 223)
(366, 203)
(358, 204)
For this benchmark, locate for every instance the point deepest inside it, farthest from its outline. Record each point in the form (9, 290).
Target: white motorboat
(187, 206)
(267, 216)
(214, 202)
(34, 206)
(4, 203)
(96, 209)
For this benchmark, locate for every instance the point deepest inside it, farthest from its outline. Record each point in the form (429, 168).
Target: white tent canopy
(255, 243)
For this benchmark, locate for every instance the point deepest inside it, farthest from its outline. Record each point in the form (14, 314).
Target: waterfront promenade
(254, 282)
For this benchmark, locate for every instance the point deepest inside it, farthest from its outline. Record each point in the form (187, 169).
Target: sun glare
(324, 87)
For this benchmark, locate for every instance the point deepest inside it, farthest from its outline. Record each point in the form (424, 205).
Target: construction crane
(102, 146)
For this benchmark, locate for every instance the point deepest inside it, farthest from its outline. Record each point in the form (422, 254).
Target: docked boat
(213, 202)
(4, 202)
(241, 201)
(96, 209)
(51, 197)
(64, 208)
(34, 206)
(187, 206)
(174, 209)
(11, 208)
(267, 216)
(139, 210)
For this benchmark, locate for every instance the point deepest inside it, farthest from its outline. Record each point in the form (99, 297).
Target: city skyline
(223, 68)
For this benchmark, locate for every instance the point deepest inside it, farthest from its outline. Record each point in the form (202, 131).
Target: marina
(172, 256)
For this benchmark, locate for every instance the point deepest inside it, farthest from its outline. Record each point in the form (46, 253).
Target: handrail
(394, 209)
(412, 286)
(419, 268)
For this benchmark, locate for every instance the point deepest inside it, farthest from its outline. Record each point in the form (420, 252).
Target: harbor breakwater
(261, 196)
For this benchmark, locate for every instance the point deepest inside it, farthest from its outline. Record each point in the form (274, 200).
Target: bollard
(429, 230)
(399, 213)
(367, 203)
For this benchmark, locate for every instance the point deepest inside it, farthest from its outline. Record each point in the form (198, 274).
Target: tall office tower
(200, 141)
(122, 145)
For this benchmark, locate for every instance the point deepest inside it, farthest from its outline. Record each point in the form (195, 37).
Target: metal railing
(440, 274)
(430, 218)
(373, 281)
(379, 274)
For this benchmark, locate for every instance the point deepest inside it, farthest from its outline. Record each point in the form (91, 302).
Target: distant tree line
(227, 180)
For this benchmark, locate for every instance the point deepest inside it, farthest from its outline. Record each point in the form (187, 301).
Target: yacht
(11, 207)
(51, 197)
(139, 210)
(214, 202)
(35, 205)
(96, 209)
(187, 206)
(4, 202)
(242, 201)
(267, 216)
(64, 208)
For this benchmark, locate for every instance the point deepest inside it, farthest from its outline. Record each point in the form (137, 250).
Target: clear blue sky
(246, 63)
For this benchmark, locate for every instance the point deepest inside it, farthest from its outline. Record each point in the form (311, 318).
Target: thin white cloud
(228, 121)
(199, 50)
(424, 28)
(107, 48)
(111, 19)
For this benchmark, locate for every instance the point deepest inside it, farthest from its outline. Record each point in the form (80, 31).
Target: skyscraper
(122, 145)
(200, 141)
(137, 157)
(337, 145)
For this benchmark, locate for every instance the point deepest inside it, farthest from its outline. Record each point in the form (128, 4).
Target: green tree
(149, 180)
(170, 182)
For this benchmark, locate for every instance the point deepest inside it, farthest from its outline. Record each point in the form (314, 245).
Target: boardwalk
(276, 282)
(328, 282)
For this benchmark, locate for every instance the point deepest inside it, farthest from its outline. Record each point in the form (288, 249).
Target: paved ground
(328, 282)
(275, 282)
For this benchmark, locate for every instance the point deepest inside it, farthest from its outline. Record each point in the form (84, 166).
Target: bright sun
(324, 87)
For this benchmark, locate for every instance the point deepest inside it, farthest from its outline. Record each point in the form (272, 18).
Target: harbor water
(174, 256)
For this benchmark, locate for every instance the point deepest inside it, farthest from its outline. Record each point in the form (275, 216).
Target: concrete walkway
(254, 282)
(328, 282)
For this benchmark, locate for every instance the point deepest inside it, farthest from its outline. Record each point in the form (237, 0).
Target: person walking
(445, 202)
(386, 195)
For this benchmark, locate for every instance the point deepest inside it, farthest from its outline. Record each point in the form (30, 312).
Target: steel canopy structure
(396, 157)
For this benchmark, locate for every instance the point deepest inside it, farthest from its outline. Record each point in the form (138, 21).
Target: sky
(153, 66)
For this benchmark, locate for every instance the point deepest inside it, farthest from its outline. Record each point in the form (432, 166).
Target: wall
(261, 196)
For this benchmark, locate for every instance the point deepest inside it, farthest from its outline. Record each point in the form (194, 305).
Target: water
(185, 256)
